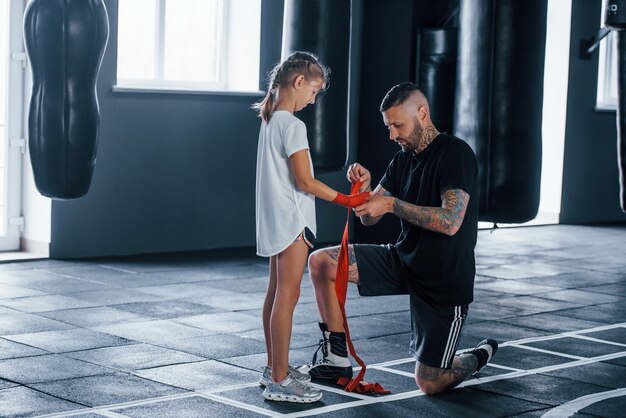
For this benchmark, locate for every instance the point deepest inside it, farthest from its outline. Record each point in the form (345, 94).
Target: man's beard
(412, 142)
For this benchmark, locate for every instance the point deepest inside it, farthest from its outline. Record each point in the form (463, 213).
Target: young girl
(285, 213)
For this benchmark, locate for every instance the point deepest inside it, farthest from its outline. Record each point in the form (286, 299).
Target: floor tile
(106, 389)
(154, 332)
(23, 402)
(192, 407)
(46, 303)
(206, 375)
(47, 368)
(577, 347)
(93, 317)
(541, 389)
(217, 345)
(15, 322)
(10, 349)
(167, 309)
(146, 330)
(222, 322)
(128, 358)
(68, 340)
(253, 396)
(551, 322)
(601, 374)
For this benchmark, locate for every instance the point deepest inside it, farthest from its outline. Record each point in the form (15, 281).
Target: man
(431, 185)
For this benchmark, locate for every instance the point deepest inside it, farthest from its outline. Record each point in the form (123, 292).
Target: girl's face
(307, 91)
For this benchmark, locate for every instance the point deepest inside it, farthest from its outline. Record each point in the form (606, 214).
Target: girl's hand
(352, 200)
(356, 172)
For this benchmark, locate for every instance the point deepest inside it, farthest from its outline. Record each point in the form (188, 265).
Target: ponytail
(297, 63)
(266, 106)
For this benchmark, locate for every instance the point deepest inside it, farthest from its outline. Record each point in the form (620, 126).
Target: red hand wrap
(351, 201)
(341, 290)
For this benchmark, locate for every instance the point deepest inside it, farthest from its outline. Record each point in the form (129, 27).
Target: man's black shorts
(436, 330)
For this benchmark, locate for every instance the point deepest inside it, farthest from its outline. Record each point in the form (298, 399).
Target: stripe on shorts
(453, 337)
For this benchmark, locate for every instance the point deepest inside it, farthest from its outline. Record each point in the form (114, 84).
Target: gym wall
(175, 172)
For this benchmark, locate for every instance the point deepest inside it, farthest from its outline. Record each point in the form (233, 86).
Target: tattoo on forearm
(447, 219)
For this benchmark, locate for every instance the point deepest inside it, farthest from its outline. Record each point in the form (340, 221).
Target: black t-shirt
(438, 267)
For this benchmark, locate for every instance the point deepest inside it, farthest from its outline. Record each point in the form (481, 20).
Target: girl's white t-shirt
(282, 210)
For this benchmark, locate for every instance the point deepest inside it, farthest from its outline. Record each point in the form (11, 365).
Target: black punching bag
(621, 115)
(615, 18)
(436, 73)
(322, 27)
(65, 42)
(499, 102)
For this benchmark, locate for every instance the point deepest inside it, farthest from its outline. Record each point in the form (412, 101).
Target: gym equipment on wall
(615, 19)
(621, 115)
(322, 27)
(65, 42)
(499, 100)
(436, 73)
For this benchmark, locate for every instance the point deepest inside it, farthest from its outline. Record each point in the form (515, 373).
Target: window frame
(159, 83)
(606, 74)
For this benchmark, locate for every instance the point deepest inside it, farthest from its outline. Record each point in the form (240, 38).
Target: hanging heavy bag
(322, 27)
(499, 102)
(615, 18)
(65, 42)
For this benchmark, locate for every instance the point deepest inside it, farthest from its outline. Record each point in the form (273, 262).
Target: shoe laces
(298, 383)
(321, 345)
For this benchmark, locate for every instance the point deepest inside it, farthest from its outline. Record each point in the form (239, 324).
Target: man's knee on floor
(430, 380)
(429, 387)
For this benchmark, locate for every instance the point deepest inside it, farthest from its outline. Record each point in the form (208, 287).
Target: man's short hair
(398, 94)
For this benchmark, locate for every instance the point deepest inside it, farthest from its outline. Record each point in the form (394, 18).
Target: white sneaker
(266, 377)
(291, 390)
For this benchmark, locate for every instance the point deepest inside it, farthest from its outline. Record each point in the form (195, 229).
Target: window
(607, 70)
(607, 73)
(189, 44)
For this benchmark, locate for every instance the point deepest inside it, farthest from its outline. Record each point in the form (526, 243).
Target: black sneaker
(484, 352)
(331, 366)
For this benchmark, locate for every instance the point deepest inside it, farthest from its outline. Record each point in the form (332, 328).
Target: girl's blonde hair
(303, 63)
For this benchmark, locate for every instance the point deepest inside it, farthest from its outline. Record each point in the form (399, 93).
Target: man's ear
(422, 113)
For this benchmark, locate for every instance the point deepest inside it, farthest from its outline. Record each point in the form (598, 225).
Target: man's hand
(353, 200)
(356, 172)
(376, 207)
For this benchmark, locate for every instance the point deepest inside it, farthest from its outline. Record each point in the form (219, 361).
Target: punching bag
(499, 101)
(65, 42)
(621, 116)
(436, 73)
(615, 18)
(322, 27)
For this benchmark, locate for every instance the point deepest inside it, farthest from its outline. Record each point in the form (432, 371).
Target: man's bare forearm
(446, 219)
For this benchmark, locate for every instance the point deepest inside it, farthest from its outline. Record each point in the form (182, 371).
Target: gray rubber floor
(181, 335)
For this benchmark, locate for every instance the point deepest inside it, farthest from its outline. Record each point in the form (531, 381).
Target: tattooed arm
(447, 219)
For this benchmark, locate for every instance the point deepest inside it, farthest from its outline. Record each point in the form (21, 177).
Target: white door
(12, 126)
